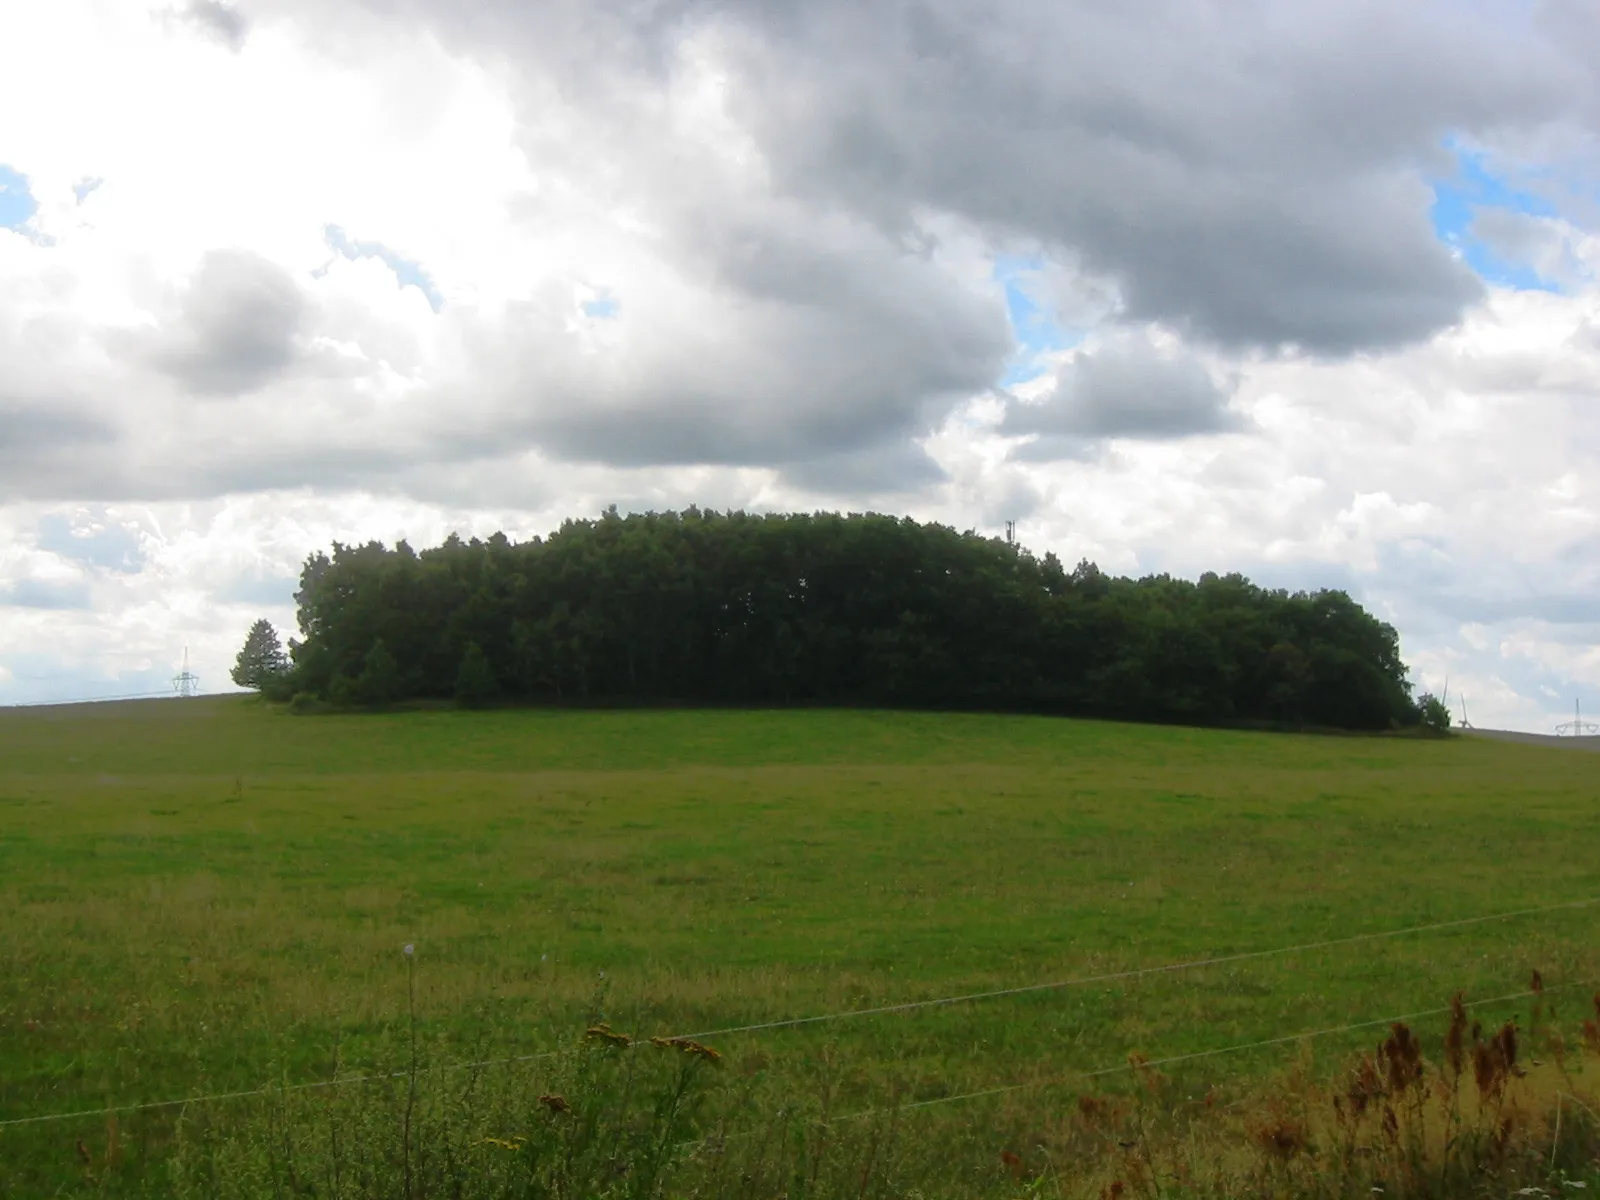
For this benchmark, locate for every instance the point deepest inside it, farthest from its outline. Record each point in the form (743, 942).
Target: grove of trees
(711, 608)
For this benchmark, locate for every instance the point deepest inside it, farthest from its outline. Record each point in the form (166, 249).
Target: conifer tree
(261, 659)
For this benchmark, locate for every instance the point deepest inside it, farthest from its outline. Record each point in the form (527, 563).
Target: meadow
(210, 896)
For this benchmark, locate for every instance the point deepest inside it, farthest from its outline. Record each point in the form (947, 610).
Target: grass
(210, 895)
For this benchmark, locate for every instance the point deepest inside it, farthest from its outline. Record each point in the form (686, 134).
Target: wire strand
(1110, 977)
(1197, 1054)
(1140, 972)
(94, 699)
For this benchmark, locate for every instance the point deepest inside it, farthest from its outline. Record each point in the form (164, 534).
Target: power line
(89, 699)
(1139, 972)
(1197, 1054)
(864, 1012)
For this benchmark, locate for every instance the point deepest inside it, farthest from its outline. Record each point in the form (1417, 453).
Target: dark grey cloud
(1242, 174)
(238, 326)
(815, 346)
(1128, 388)
(38, 593)
(1250, 173)
(881, 470)
(113, 547)
(220, 21)
(28, 426)
(1057, 447)
(1514, 236)
(43, 444)
(1014, 500)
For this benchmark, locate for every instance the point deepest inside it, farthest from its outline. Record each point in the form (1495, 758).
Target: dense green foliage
(261, 661)
(738, 609)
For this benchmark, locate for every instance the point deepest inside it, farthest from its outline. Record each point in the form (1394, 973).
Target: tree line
(732, 608)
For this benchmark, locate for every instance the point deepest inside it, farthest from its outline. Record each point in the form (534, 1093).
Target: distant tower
(1577, 727)
(1464, 723)
(1011, 533)
(186, 683)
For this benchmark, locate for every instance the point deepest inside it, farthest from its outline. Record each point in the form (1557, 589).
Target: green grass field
(203, 896)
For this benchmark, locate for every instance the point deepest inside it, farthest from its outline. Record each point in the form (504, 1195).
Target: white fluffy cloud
(302, 271)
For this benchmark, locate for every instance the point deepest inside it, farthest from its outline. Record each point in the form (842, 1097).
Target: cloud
(1130, 386)
(1194, 168)
(275, 593)
(770, 339)
(1248, 174)
(28, 428)
(1541, 248)
(44, 445)
(46, 594)
(111, 546)
(870, 470)
(406, 272)
(238, 321)
(220, 21)
(774, 256)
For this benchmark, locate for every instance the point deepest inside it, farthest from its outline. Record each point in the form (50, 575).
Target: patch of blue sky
(115, 547)
(1033, 324)
(407, 271)
(1460, 199)
(17, 204)
(601, 307)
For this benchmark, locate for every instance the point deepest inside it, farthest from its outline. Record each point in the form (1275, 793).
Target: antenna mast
(186, 683)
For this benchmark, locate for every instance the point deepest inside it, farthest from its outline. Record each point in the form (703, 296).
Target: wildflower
(1507, 1037)
(1403, 1056)
(1495, 1060)
(408, 949)
(1454, 1037)
(1365, 1087)
(688, 1046)
(604, 1033)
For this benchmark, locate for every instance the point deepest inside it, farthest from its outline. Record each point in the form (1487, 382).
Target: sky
(1305, 291)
